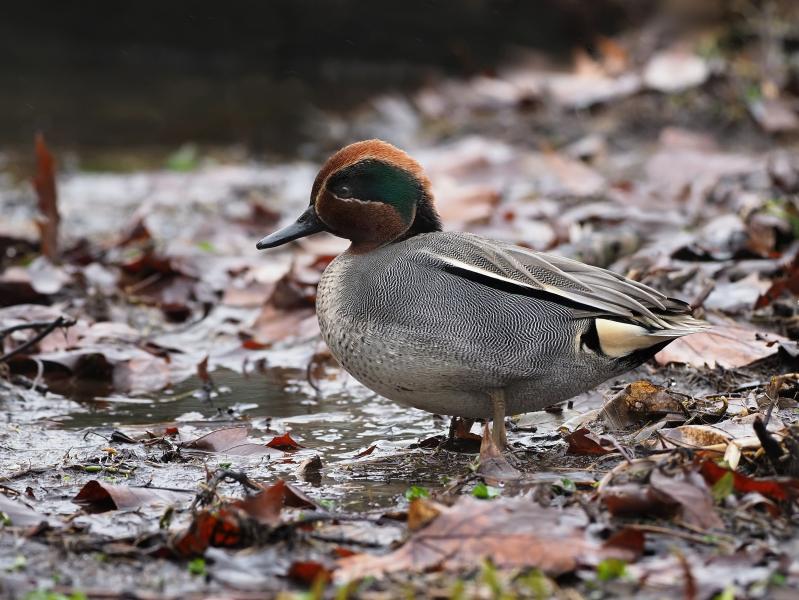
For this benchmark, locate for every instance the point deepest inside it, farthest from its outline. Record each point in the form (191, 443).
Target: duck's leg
(498, 404)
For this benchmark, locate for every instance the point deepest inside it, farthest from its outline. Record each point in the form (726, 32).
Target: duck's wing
(622, 308)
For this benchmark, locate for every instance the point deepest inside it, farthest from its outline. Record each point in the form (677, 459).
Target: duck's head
(370, 193)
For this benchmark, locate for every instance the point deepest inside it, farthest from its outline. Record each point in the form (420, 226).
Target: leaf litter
(168, 398)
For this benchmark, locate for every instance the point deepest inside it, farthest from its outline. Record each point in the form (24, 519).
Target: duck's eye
(344, 191)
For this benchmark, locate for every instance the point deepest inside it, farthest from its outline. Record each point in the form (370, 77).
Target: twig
(342, 541)
(206, 495)
(770, 446)
(59, 322)
(692, 537)
(702, 296)
(22, 326)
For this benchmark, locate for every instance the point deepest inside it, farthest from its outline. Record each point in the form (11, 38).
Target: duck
(457, 324)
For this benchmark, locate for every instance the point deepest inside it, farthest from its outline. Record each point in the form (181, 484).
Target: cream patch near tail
(620, 339)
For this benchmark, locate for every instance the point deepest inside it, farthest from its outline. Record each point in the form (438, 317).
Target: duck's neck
(426, 219)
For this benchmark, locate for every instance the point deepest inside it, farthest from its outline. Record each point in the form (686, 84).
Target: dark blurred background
(107, 74)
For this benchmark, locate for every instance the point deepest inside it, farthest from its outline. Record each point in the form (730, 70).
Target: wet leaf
(265, 506)
(284, 442)
(219, 440)
(695, 436)
(101, 497)
(366, 452)
(16, 514)
(220, 528)
(236, 523)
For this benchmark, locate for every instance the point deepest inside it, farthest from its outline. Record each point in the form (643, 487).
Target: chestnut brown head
(369, 192)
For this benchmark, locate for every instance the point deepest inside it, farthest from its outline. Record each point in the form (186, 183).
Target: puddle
(337, 425)
(334, 425)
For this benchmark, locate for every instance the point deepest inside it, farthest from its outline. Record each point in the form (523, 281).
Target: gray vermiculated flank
(419, 334)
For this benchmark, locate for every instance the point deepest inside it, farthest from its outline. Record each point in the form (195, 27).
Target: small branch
(47, 330)
(699, 301)
(23, 326)
(770, 446)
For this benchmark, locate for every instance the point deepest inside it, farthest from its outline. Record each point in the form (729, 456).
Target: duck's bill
(307, 224)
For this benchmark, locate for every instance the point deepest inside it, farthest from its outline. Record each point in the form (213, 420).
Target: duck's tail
(622, 337)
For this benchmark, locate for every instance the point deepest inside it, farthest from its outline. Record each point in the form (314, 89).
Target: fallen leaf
(265, 506)
(309, 572)
(239, 522)
(674, 70)
(220, 528)
(729, 346)
(231, 441)
(687, 489)
(101, 497)
(635, 500)
(20, 515)
(639, 402)
(219, 440)
(774, 115)
(366, 452)
(695, 436)
(45, 186)
(629, 539)
(583, 441)
(284, 442)
(788, 282)
(421, 511)
(779, 489)
(493, 465)
(509, 531)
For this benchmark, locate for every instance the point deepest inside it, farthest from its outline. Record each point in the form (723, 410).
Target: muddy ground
(174, 427)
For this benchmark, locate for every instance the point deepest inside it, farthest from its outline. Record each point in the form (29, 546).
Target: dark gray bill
(307, 224)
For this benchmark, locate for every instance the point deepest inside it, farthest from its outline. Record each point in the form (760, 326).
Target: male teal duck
(456, 324)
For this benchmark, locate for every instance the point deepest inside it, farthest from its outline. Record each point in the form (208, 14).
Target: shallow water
(337, 424)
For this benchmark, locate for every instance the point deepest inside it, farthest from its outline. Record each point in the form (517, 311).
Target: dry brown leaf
(493, 466)
(512, 532)
(728, 346)
(421, 511)
(639, 402)
(688, 490)
(45, 186)
(584, 442)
